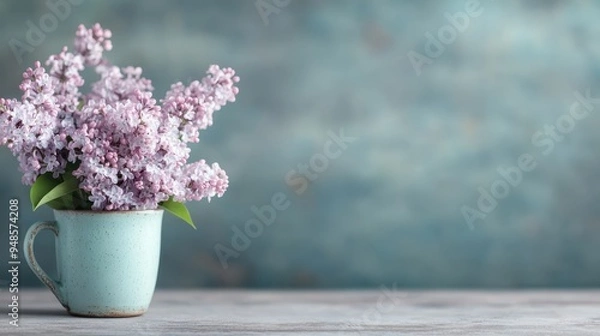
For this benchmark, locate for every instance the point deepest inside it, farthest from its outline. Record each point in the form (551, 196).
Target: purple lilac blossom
(128, 152)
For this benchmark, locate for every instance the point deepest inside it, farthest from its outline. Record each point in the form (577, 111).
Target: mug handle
(54, 285)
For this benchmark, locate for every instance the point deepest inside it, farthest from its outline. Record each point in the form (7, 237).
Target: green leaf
(69, 185)
(178, 209)
(60, 204)
(43, 184)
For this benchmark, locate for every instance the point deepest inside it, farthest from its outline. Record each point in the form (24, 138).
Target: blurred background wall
(437, 96)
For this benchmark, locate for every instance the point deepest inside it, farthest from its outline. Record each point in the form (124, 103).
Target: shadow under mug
(107, 261)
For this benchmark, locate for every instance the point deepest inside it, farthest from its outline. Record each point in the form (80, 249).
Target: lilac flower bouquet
(114, 148)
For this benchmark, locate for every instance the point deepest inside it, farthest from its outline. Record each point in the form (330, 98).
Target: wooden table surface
(375, 312)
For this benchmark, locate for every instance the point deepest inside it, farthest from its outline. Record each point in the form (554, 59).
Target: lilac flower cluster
(127, 151)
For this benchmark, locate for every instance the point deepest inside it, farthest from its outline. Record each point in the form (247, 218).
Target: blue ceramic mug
(107, 260)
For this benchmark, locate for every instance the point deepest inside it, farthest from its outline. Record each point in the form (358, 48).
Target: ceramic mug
(107, 261)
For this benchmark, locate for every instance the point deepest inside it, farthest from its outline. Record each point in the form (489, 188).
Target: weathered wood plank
(241, 312)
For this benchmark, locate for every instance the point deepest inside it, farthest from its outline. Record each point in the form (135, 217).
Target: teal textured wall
(440, 99)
